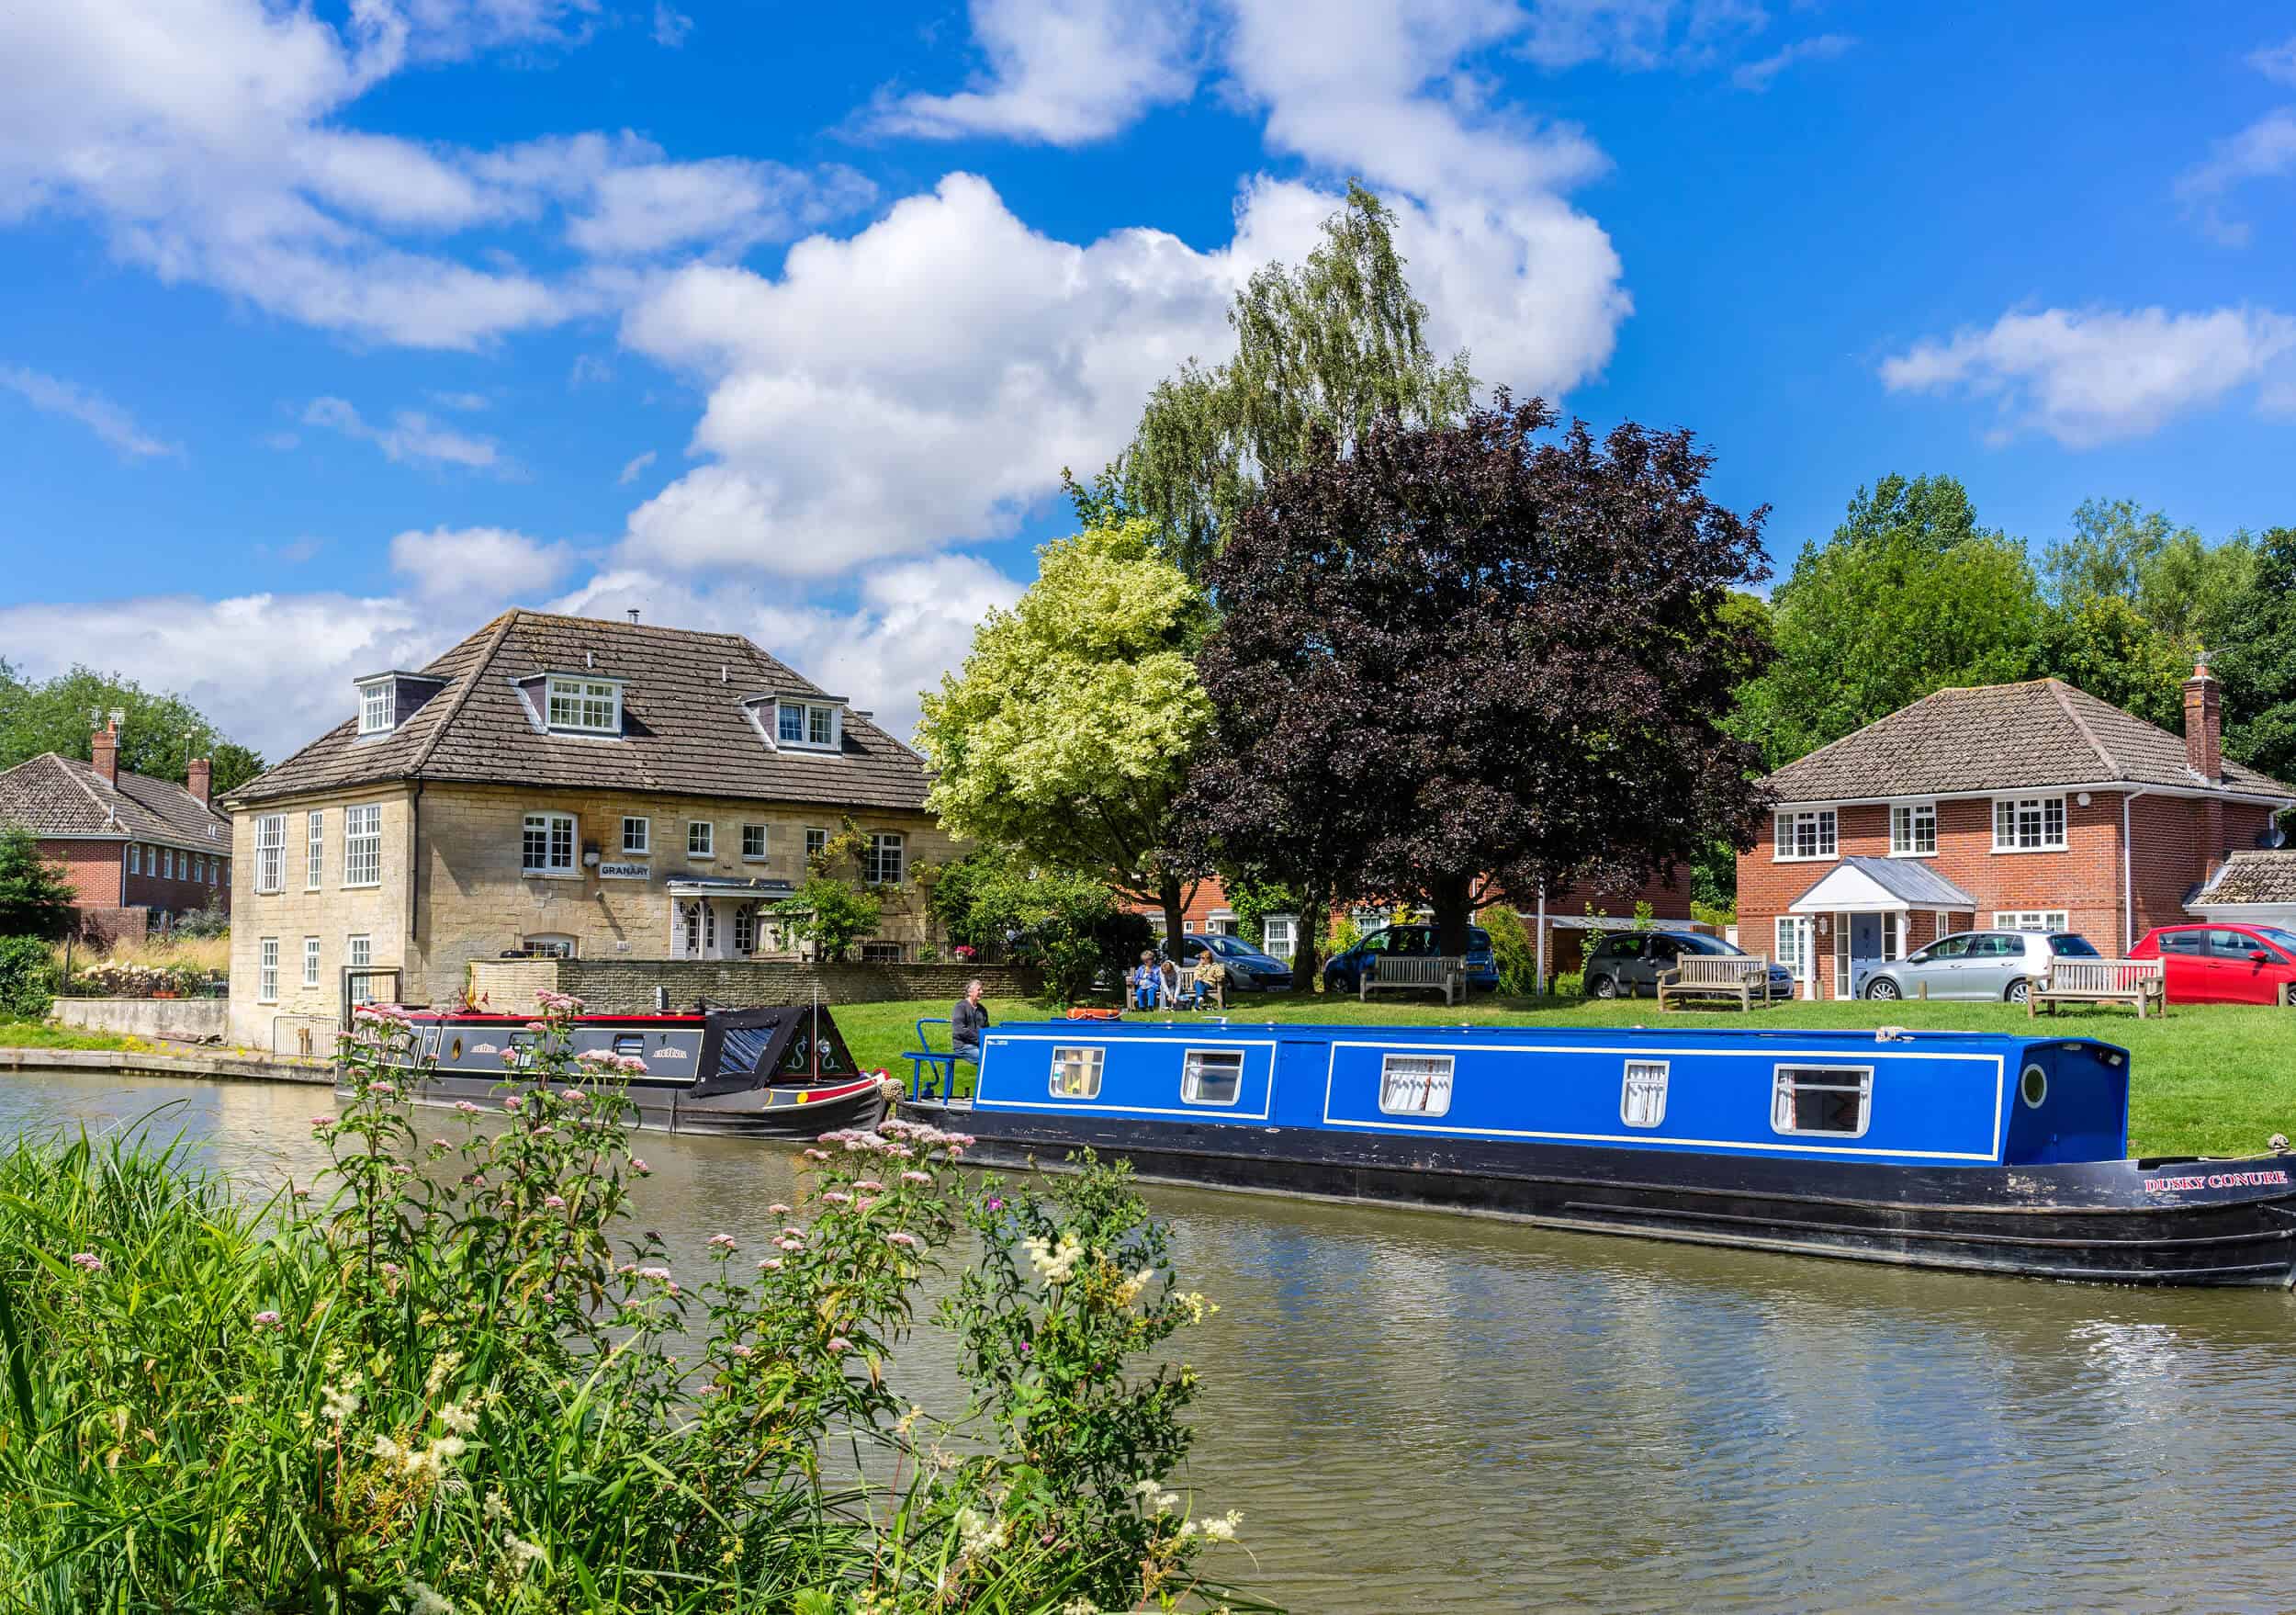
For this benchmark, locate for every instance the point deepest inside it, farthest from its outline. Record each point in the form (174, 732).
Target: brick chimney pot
(2204, 725)
(104, 753)
(202, 771)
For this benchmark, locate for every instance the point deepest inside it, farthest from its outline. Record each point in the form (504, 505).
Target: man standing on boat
(967, 1022)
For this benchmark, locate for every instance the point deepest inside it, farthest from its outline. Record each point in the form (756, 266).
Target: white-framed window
(753, 840)
(267, 970)
(1809, 833)
(882, 863)
(882, 953)
(1837, 1100)
(218, 872)
(1211, 1076)
(1794, 945)
(199, 869)
(546, 844)
(584, 706)
(135, 857)
(557, 944)
(1278, 935)
(2029, 824)
(1642, 1095)
(1893, 935)
(377, 707)
(637, 836)
(806, 724)
(1076, 1072)
(701, 839)
(700, 921)
(2032, 919)
(167, 864)
(270, 854)
(817, 843)
(362, 844)
(314, 847)
(358, 952)
(1913, 830)
(1415, 1085)
(746, 930)
(310, 961)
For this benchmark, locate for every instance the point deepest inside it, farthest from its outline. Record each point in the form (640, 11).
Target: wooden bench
(1410, 973)
(1192, 990)
(1717, 975)
(2139, 982)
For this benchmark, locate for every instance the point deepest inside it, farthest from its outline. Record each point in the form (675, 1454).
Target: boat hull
(783, 1111)
(2211, 1223)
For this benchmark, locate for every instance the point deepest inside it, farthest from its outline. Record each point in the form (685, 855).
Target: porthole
(2033, 1087)
(455, 1053)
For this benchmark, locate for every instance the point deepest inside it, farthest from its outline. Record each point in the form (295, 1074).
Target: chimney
(2204, 724)
(103, 751)
(202, 771)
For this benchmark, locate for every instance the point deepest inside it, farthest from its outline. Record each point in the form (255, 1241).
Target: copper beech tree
(1462, 661)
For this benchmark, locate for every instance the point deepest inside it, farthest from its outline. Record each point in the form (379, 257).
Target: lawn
(42, 1034)
(2209, 1079)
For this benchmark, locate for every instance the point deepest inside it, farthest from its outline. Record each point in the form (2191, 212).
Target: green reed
(448, 1376)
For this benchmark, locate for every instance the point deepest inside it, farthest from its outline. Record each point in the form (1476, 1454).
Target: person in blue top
(1146, 982)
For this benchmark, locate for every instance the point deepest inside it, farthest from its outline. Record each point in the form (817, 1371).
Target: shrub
(27, 977)
(1513, 948)
(830, 914)
(448, 1377)
(213, 921)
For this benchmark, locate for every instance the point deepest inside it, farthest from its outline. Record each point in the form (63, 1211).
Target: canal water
(1420, 1412)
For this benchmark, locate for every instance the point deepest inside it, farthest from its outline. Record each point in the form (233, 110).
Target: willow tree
(1327, 346)
(1067, 734)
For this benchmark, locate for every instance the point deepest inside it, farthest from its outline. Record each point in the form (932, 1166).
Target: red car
(2219, 963)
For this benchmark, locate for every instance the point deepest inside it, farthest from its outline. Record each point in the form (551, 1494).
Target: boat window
(1822, 1098)
(2033, 1087)
(1642, 1102)
(431, 1035)
(1415, 1085)
(630, 1044)
(1211, 1076)
(1076, 1072)
(525, 1043)
(454, 1053)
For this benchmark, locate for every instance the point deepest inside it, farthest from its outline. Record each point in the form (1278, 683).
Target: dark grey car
(1627, 965)
(1992, 964)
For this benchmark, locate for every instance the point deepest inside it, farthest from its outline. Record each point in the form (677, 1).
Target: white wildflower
(336, 1406)
(424, 1600)
(460, 1419)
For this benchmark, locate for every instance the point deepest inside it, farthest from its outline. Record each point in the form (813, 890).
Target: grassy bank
(42, 1034)
(2209, 1079)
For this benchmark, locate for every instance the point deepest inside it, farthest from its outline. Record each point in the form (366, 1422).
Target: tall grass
(207, 954)
(448, 1377)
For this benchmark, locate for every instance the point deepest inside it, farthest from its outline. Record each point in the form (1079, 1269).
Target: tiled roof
(58, 795)
(684, 727)
(2001, 737)
(1912, 879)
(2253, 877)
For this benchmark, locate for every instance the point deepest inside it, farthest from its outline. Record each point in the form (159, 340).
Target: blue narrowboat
(1977, 1151)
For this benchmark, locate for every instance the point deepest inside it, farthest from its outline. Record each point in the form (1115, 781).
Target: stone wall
(627, 987)
(186, 1019)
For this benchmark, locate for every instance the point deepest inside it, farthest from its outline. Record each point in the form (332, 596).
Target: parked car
(1249, 969)
(1996, 965)
(1344, 973)
(2218, 964)
(1627, 965)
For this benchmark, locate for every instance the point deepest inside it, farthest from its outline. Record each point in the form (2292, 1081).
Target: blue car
(1344, 973)
(1249, 970)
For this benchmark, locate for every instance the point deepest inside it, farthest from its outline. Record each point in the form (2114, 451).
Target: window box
(1805, 836)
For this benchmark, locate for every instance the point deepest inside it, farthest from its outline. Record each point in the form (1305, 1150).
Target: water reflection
(1419, 1412)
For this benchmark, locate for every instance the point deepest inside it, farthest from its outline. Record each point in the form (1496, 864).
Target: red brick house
(2032, 806)
(138, 851)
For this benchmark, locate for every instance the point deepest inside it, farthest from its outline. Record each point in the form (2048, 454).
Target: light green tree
(2183, 586)
(1067, 734)
(159, 735)
(1329, 345)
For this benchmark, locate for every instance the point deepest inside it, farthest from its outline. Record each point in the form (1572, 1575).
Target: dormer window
(379, 706)
(585, 706)
(802, 723)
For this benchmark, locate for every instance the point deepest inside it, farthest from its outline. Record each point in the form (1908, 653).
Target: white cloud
(2275, 62)
(1638, 35)
(1060, 71)
(2092, 376)
(411, 436)
(273, 671)
(1757, 76)
(114, 424)
(467, 403)
(202, 139)
(475, 568)
(634, 468)
(911, 623)
(2264, 150)
(670, 26)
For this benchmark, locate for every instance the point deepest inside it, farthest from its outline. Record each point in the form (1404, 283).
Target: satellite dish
(2273, 836)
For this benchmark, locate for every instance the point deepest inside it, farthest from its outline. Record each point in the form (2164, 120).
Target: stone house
(559, 786)
(138, 852)
(2032, 806)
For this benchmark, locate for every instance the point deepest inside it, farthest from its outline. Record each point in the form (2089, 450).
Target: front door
(1865, 949)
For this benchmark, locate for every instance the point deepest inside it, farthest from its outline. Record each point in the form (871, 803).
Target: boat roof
(1576, 1036)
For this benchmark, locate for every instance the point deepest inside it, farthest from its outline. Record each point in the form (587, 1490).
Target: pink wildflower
(466, 1107)
(387, 1089)
(268, 1320)
(870, 1186)
(741, 1352)
(639, 1167)
(839, 1344)
(789, 1244)
(906, 1241)
(391, 1269)
(777, 1210)
(817, 1155)
(723, 1242)
(553, 1203)
(87, 1261)
(916, 1177)
(837, 1197)
(771, 1264)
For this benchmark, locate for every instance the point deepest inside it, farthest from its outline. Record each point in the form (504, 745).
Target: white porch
(1863, 912)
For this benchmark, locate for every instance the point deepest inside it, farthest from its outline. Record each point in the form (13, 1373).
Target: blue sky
(330, 329)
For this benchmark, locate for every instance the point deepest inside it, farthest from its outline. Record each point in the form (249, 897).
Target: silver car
(2000, 966)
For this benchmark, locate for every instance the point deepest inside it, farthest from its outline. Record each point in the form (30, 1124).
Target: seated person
(1168, 985)
(967, 1022)
(1211, 978)
(1144, 982)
